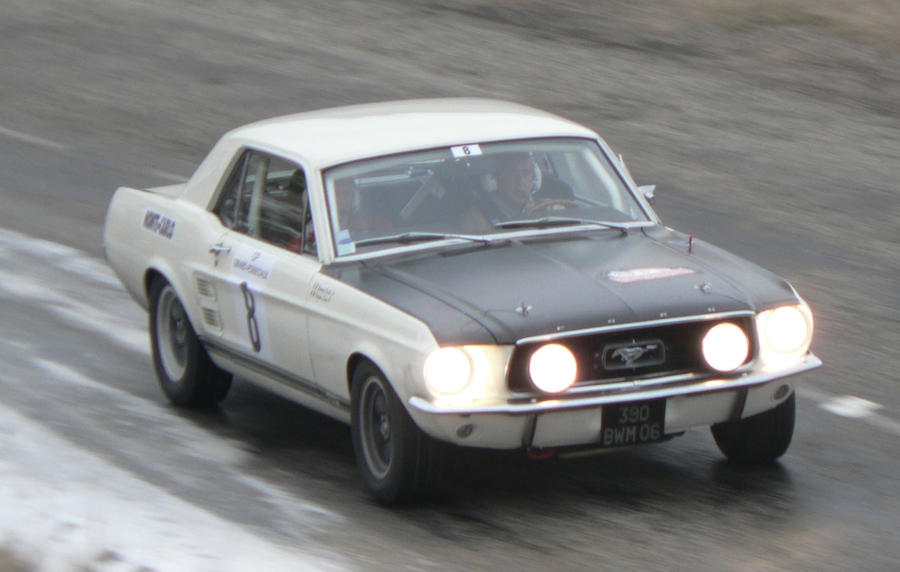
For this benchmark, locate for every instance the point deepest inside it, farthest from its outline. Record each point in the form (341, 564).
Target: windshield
(474, 190)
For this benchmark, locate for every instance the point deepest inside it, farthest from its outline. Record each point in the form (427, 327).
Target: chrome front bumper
(575, 419)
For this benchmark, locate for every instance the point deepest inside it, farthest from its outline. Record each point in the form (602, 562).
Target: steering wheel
(557, 204)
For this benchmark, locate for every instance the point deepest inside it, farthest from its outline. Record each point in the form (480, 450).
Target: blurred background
(772, 128)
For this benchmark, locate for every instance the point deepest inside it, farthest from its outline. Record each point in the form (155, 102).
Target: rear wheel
(398, 462)
(186, 374)
(759, 439)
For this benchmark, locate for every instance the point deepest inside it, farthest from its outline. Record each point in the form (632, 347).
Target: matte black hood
(516, 289)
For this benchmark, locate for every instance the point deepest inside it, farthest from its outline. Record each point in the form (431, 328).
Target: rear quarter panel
(153, 229)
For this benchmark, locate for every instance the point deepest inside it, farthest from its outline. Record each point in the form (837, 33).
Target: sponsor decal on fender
(643, 274)
(252, 264)
(159, 224)
(322, 293)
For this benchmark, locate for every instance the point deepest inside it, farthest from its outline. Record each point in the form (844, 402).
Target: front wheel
(398, 462)
(186, 374)
(759, 439)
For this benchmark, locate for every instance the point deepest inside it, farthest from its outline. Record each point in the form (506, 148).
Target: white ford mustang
(458, 271)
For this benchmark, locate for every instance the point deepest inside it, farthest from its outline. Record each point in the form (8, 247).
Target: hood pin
(524, 309)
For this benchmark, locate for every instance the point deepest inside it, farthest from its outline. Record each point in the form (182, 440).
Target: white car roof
(332, 136)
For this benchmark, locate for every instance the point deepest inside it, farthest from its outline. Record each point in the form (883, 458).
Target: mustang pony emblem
(634, 354)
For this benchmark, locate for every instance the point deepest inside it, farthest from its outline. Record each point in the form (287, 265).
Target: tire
(398, 462)
(186, 374)
(760, 439)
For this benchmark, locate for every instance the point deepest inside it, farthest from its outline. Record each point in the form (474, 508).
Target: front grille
(629, 354)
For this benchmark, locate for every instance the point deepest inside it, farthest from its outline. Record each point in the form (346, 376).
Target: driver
(510, 189)
(516, 188)
(517, 181)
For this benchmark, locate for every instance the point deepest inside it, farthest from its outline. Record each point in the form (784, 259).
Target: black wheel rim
(172, 333)
(375, 424)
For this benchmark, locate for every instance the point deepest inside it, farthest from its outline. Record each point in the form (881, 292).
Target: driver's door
(261, 267)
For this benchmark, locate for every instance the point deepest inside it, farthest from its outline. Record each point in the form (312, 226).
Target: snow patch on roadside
(118, 330)
(65, 508)
(101, 305)
(59, 256)
(850, 406)
(192, 441)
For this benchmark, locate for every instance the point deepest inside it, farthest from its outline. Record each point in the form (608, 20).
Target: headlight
(447, 370)
(553, 368)
(458, 375)
(785, 333)
(725, 346)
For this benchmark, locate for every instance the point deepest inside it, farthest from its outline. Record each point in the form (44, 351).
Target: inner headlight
(785, 333)
(553, 368)
(725, 346)
(447, 370)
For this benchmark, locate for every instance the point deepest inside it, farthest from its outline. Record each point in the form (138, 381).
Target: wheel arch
(156, 272)
(150, 276)
(395, 377)
(355, 360)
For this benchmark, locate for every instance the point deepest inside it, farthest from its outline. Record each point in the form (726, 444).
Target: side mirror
(648, 192)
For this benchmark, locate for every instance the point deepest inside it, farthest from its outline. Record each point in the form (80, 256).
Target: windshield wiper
(551, 221)
(416, 236)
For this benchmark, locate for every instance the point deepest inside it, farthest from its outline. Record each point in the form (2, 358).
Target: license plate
(625, 424)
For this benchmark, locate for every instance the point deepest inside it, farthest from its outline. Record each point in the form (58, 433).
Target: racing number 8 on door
(252, 324)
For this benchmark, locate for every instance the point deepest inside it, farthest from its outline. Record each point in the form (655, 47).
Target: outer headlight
(447, 371)
(725, 346)
(458, 375)
(553, 368)
(785, 333)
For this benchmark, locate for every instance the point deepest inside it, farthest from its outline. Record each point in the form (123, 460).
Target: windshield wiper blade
(551, 221)
(415, 236)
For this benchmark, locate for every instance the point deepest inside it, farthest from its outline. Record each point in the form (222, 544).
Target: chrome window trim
(630, 184)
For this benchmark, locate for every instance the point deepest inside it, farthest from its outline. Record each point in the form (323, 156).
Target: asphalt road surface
(772, 130)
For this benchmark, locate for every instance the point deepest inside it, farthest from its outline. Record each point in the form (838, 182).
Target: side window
(229, 201)
(265, 197)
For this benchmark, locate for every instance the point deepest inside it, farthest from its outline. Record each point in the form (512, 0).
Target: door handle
(219, 248)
